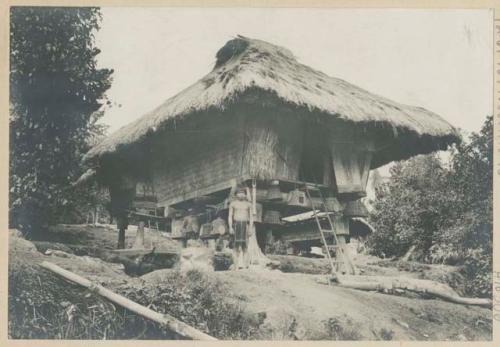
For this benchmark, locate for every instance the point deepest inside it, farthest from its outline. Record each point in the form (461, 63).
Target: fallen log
(135, 252)
(170, 322)
(389, 284)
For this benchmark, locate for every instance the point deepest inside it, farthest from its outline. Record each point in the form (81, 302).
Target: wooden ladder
(342, 260)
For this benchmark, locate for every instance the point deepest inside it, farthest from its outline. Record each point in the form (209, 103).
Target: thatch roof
(244, 64)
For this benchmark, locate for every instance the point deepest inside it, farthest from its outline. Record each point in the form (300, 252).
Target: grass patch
(201, 301)
(43, 306)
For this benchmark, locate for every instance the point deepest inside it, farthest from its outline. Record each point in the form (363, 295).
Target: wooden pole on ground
(383, 283)
(170, 322)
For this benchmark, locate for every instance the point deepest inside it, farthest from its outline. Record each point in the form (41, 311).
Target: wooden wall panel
(211, 163)
(272, 149)
(351, 167)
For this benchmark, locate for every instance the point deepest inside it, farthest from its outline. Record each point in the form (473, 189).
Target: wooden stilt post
(122, 224)
(139, 236)
(121, 238)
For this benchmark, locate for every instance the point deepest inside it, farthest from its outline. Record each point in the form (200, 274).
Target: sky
(441, 60)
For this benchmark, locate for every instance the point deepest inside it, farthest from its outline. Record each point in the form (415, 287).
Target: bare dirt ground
(293, 304)
(297, 300)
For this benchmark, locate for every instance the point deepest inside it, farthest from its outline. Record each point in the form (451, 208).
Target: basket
(298, 198)
(178, 231)
(206, 231)
(272, 217)
(219, 226)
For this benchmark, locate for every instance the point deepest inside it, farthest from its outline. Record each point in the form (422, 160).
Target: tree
(56, 90)
(408, 210)
(444, 210)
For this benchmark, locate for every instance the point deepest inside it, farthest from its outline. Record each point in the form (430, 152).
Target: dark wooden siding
(208, 166)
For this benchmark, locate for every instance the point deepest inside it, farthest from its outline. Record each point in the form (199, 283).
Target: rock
(15, 233)
(194, 243)
(43, 246)
(200, 258)
(157, 276)
(57, 253)
(274, 264)
(401, 323)
(20, 244)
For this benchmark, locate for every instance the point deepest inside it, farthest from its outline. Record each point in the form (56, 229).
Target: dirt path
(297, 306)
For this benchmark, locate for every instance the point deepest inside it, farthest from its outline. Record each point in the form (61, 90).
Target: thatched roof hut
(253, 81)
(244, 66)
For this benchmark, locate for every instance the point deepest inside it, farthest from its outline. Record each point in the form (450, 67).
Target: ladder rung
(327, 230)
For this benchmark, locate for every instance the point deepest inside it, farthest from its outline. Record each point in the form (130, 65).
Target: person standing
(239, 219)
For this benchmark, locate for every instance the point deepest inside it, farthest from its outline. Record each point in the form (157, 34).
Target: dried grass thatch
(245, 64)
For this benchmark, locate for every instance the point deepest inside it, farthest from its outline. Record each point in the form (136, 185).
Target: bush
(478, 269)
(338, 331)
(43, 306)
(200, 301)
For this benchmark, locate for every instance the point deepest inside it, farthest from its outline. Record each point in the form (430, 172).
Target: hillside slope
(276, 305)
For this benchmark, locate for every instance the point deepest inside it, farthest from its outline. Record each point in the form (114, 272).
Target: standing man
(239, 219)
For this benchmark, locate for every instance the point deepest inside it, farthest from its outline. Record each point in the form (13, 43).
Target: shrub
(340, 331)
(200, 301)
(478, 270)
(43, 306)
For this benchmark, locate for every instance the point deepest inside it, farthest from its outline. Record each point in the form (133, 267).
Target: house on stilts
(261, 116)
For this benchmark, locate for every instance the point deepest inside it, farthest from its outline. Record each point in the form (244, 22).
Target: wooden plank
(351, 168)
(202, 191)
(150, 216)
